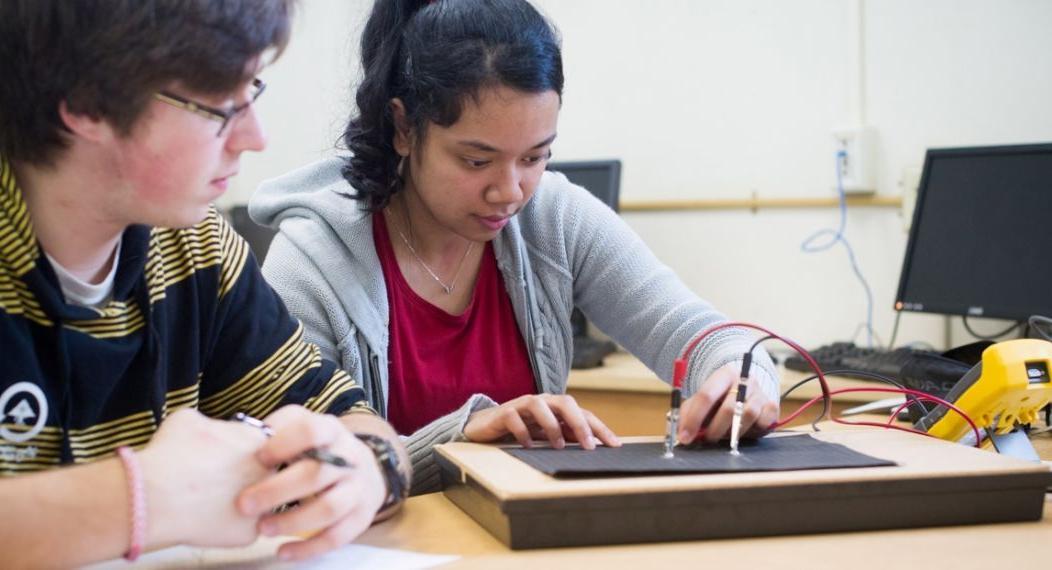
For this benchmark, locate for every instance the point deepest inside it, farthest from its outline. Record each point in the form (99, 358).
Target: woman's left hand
(708, 413)
(336, 503)
(555, 417)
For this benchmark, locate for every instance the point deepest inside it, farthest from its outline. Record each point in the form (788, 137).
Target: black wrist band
(387, 459)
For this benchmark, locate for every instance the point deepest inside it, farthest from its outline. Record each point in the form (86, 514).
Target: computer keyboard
(925, 370)
(848, 355)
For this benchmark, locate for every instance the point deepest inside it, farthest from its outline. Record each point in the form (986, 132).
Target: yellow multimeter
(1006, 389)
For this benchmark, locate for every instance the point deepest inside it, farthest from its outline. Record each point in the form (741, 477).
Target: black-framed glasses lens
(258, 86)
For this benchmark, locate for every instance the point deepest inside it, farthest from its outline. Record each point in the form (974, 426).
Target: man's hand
(556, 418)
(193, 469)
(336, 504)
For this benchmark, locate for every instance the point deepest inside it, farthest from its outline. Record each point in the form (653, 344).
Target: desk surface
(623, 372)
(432, 524)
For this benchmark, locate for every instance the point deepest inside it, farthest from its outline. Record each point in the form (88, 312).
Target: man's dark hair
(106, 59)
(434, 55)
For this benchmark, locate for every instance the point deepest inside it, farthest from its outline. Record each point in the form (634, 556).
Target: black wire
(895, 330)
(870, 375)
(1041, 325)
(757, 343)
(825, 401)
(968, 328)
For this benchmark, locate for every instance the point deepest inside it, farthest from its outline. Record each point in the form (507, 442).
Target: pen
(739, 403)
(249, 420)
(315, 453)
(318, 454)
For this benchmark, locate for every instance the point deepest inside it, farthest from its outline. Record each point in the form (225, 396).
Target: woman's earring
(401, 167)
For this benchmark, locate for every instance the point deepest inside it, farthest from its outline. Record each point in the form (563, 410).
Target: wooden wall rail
(756, 203)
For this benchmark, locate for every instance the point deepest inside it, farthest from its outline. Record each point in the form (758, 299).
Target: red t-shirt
(437, 360)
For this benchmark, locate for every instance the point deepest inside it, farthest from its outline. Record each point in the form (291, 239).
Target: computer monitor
(257, 236)
(981, 240)
(600, 177)
(603, 179)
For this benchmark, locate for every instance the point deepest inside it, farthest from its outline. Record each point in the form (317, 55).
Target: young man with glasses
(134, 322)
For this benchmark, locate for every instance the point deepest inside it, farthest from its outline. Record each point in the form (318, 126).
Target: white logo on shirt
(16, 406)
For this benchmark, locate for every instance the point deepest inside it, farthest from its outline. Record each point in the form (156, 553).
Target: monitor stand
(588, 352)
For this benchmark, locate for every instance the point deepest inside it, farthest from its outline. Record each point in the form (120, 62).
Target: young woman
(440, 263)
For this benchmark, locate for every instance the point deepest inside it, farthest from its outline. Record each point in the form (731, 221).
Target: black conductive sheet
(777, 453)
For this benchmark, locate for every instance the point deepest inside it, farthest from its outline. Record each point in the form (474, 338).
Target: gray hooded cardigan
(564, 249)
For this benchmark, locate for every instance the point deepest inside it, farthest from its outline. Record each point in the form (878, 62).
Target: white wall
(309, 90)
(723, 98)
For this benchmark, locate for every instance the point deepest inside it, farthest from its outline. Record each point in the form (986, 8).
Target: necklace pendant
(416, 256)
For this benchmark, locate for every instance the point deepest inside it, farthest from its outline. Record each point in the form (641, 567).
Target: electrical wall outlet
(858, 163)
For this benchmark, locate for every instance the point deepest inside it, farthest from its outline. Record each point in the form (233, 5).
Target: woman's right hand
(556, 418)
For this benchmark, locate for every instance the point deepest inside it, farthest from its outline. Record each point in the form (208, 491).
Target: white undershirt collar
(82, 293)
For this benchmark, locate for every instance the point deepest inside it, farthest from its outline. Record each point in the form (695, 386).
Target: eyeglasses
(223, 116)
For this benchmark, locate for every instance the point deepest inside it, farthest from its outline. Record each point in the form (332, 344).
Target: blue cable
(838, 237)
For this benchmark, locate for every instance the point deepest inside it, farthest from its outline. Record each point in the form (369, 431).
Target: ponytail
(372, 168)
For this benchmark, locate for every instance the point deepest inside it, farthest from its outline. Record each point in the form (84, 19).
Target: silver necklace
(448, 289)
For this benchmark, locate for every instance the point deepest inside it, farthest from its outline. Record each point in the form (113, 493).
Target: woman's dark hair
(433, 56)
(106, 58)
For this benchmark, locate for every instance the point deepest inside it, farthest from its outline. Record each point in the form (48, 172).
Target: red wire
(679, 373)
(907, 391)
(897, 411)
(885, 426)
(680, 367)
(891, 418)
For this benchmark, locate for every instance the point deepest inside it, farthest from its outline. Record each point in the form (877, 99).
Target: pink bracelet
(137, 498)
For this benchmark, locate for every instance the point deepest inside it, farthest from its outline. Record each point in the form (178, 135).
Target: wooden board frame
(936, 483)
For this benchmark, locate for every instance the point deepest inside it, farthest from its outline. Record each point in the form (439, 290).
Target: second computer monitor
(603, 179)
(600, 177)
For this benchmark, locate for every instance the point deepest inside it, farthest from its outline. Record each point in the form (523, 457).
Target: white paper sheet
(261, 555)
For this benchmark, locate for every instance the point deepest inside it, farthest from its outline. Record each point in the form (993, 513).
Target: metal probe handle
(739, 403)
(672, 422)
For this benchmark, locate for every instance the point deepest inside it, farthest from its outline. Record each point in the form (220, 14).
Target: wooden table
(632, 400)
(432, 524)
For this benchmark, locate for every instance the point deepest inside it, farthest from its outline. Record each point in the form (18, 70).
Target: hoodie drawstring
(65, 411)
(151, 340)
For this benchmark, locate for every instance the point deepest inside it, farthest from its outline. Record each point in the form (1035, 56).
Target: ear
(94, 129)
(403, 135)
